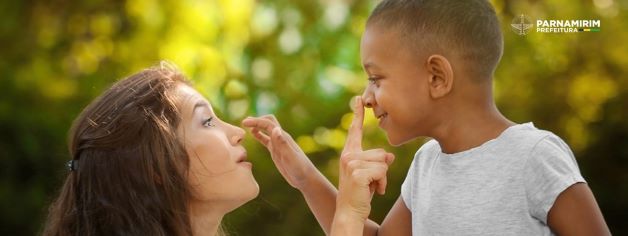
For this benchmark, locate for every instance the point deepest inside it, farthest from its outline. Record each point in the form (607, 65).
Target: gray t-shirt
(506, 186)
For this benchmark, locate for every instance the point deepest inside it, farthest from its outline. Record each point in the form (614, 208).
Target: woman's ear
(441, 76)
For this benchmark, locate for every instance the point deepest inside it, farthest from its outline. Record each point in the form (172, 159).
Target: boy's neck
(470, 127)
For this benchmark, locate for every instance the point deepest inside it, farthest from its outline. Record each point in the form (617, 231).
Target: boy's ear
(441, 76)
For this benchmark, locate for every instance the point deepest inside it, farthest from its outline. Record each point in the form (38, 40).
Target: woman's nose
(237, 135)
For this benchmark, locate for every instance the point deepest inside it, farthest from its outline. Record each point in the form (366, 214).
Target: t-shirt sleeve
(550, 169)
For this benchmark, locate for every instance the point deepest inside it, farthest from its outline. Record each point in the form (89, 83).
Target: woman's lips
(246, 164)
(242, 157)
(242, 161)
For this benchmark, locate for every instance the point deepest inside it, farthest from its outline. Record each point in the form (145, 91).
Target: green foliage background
(300, 61)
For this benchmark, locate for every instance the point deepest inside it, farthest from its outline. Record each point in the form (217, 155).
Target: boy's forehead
(376, 32)
(386, 38)
(382, 43)
(379, 42)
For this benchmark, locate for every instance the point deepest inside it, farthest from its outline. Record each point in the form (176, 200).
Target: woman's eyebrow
(200, 104)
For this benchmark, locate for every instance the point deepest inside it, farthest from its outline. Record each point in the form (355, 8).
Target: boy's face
(397, 90)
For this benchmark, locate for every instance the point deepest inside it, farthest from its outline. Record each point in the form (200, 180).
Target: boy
(430, 65)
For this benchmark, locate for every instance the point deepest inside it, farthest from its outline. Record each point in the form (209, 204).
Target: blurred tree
(300, 61)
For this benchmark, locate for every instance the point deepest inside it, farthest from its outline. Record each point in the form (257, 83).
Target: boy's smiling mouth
(381, 117)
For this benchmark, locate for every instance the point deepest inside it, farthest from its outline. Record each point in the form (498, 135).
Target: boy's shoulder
(520, 139)
(429, 148)
(529, 139)
(525, 135)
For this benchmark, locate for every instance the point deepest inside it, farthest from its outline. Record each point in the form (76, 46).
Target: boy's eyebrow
(369, 65)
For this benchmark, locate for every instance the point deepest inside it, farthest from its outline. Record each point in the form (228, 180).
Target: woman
(150, 157)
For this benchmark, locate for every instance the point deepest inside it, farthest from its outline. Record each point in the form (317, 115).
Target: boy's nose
(367, 97)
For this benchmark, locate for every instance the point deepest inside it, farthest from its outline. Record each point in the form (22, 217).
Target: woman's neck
(204, 220)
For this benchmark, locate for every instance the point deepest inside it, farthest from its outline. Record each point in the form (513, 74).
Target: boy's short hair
(467, 29)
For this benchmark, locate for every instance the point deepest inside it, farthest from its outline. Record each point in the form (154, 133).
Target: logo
(521, 25)
(568, 26)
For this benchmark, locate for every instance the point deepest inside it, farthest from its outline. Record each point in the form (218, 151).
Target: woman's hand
(362, 173)
(290, 160)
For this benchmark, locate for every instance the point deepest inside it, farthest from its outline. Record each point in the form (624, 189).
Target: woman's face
(219, 173)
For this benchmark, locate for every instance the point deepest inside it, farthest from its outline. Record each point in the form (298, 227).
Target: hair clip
(72, 165)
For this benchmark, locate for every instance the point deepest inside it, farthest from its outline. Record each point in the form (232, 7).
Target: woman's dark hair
(131, 172)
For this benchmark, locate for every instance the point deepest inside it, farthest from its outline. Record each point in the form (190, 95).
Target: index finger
(259, 123)
(354, 135)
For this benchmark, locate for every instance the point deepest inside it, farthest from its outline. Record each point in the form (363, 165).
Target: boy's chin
(398, 140)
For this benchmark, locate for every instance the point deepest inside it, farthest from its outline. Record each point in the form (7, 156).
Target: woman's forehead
(189, 98)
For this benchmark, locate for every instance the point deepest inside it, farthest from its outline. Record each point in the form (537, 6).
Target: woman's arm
(296, 168)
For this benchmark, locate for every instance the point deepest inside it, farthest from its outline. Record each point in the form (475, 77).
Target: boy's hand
(290, 160)
(361, 172)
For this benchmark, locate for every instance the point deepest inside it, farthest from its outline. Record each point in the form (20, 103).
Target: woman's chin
(243, 199)
(255, 192)
(252, 193)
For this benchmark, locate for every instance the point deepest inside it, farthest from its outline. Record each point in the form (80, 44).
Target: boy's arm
(298, 170)
(575, 212)
(361, 174)
(398, 221)
(320, 196)
(318, 192)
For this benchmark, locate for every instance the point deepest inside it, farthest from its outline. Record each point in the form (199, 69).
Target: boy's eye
(373, 80)
(209, 122)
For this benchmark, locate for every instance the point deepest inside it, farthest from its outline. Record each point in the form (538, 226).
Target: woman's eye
(209, 122)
